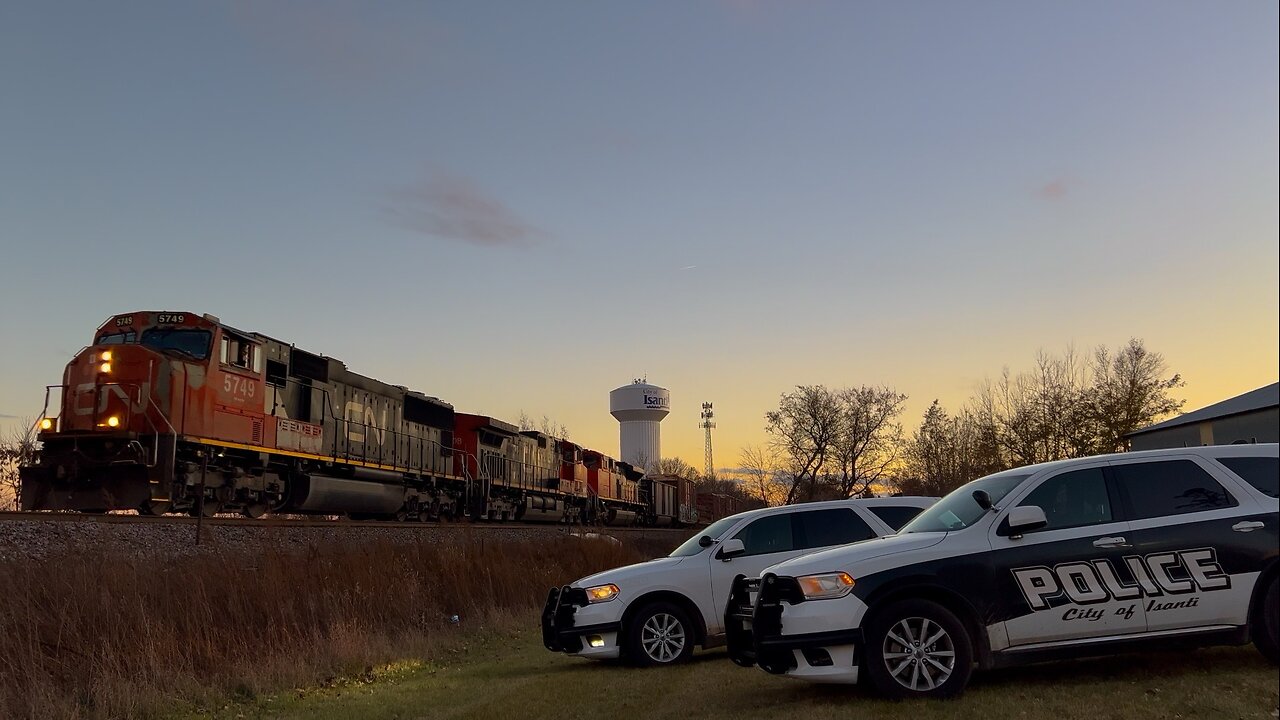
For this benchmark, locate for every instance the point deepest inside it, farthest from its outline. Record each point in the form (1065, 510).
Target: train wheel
(255, 510)
(155, 507)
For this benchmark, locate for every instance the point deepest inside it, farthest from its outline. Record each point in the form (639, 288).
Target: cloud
(3, 416)
(452, 207)
(1054, 190)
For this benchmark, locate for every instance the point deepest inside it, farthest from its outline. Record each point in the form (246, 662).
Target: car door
(1066, 581)
(1201, 538)
(773, 538)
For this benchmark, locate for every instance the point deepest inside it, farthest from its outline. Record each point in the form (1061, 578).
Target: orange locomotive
(178, 412)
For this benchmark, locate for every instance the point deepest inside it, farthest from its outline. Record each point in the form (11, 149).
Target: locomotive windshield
(117, 338)
(194, 343)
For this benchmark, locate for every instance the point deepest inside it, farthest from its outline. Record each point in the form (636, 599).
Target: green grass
(509, 675)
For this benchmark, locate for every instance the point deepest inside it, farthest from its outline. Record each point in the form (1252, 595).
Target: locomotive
(178, 412)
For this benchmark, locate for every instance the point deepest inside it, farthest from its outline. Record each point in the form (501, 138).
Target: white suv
(654, 612)
(1081, 557)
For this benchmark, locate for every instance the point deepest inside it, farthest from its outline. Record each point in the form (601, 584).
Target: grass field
(91, 635)
(507, 674)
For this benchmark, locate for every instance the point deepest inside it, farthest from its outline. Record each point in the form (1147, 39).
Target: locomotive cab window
(117, 338)
(239, 352)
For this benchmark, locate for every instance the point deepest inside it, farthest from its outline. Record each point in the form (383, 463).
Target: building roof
(1262, 398)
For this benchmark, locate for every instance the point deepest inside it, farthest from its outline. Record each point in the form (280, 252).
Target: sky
(518, 207)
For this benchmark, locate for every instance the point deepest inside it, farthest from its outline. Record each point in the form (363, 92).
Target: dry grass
(507, 673)
(98, 635)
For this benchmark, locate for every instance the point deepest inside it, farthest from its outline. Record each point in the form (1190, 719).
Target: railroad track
(268, 522)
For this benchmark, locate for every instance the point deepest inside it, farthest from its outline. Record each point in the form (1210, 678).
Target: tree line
(827, 443)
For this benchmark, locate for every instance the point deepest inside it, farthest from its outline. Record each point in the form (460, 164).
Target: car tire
(659, 633)
(918, 648)
(1265, 628)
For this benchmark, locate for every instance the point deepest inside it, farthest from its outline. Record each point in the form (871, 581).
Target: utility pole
(708, 422)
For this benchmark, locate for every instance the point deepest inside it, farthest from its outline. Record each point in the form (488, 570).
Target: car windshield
(958, 510)
(194, 343)
(692, 546)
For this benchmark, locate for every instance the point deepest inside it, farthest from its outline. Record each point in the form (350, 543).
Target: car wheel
(659, 634)
(918, 648)
(1265, 628)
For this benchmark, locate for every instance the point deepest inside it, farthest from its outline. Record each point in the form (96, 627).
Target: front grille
(557, 617)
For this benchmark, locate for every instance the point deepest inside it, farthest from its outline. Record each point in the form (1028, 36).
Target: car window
(1072, 499)
(769, 534)
(693, 545)
(1173, 487)
(834, 526)
(1260, 472)
(895, 516)
(958, 510)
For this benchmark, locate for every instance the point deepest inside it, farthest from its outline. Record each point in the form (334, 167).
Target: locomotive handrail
(435, 466)
(173, 446)
(44, 411)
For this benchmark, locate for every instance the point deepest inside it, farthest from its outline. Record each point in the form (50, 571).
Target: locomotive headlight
(113, 421)
(104, 367)
(602, 593)
(826, 586)
(46, 424)
(106, 356)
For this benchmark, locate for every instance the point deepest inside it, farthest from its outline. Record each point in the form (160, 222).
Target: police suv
(653, 613)
(1080, 557)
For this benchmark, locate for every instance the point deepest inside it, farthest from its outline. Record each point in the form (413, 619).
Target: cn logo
(86, 391)
(360, 417)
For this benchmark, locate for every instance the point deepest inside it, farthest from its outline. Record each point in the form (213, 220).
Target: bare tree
(642, 462)
(946, 452)
(546, 426)
(1068, 408)
(677, 467)
(1038, 415)
(869, 438)
(1129, 391)
(17, 448)
(760, 468)
(803, 432)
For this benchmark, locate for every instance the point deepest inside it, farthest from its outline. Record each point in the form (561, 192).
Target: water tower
(639, 408)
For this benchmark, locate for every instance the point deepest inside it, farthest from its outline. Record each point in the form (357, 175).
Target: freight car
(178, 412)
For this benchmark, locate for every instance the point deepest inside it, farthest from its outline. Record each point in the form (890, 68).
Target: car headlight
(826, 586)
(602, 593)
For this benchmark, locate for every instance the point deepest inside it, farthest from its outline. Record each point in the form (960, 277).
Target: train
(175, 412)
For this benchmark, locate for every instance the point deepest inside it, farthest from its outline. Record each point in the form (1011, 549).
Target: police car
(1081, 557)
(653, 613)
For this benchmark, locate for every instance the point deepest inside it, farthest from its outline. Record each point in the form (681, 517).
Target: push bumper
(754, 632)
(562, 631)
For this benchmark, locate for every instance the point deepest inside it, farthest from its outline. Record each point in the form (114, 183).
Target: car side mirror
(983, 499)
(1025, 518)
(731, 549)
(706, 541)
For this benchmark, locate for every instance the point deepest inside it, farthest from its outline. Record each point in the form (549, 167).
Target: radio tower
(707, 423)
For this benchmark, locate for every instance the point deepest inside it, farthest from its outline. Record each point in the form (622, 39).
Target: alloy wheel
(919, 654)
